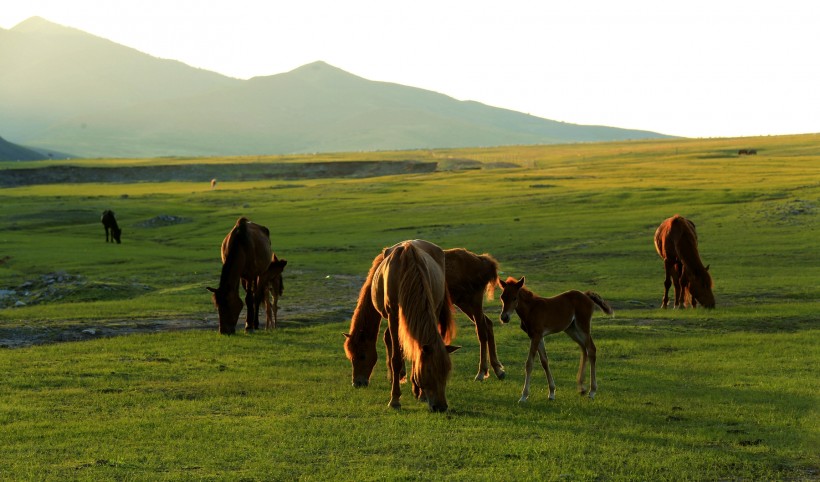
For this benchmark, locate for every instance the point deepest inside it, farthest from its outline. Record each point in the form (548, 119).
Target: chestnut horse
(246, 257)
(408, 289)
(468, 277)
(676, 242)
(273, 291)
(110, 224)
(570, 312)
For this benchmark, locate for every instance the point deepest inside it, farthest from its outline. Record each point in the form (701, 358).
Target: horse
(676, 242)
(273, 290)
(110, 223)
(246, 258)
(213, 183)
(469, 277)
(570, 312)
(408, 289)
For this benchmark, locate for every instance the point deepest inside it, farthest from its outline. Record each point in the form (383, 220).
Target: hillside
(67, 90)
(13, 152)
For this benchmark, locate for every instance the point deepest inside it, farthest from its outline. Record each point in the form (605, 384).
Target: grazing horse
(469, 277)
(273, 291)
(676, 242)
(570, 312)
(408, 289)
(110, 223)
(213, 183)
(246, 257)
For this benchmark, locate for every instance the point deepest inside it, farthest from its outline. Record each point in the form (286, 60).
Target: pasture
(112, 367)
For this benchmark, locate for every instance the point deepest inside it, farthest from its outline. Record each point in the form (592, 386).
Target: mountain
(67, 90)
(13, 152)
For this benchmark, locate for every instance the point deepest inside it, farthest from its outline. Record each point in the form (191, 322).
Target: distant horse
(676, 242)
(213, 183)
(246, 257)
(570, 312)
(408, 289)
(747, 152)
(469, 278)
(110, 223)
(273, 291)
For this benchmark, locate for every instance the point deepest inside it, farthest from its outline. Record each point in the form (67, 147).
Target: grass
(729, 393)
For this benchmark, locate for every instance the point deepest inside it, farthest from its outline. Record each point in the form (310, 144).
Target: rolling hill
(13, 152)
(67, 90)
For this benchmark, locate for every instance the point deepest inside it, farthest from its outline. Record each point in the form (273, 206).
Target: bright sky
(695, 68)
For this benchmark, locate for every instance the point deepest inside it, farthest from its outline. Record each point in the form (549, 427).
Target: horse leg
(582, 336)
(525, 393)
(396, 361)
(481, 332)
(542, 353)
(680, 283)
(388, 349)
(498, 368)
(249, 304)
(668, 268)
(269, 320)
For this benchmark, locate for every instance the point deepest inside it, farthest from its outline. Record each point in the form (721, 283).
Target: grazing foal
(570, 312)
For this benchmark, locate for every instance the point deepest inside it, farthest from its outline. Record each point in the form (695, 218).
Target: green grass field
(730, 393)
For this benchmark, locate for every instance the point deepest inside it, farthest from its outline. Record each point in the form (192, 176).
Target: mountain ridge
(71, 91)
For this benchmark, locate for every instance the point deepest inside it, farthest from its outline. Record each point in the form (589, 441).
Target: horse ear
(212, 290)
(347, 335)
(520, 282)
(707, 267)
(502, 283)
(452, 348)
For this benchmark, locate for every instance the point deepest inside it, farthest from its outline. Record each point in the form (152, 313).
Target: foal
(570, 312)
(273, 291)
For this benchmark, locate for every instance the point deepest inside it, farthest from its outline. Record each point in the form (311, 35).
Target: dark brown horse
(570, 312)
(408, 289)
(273, 291)
(676, 242)
(110, 224)
(469, 278)
(246, 258)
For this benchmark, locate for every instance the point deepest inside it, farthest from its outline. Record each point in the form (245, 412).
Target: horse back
(468, 275)
(249, 245)
(675, 237)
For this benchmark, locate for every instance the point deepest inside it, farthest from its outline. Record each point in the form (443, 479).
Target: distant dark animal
(408, 289)
(676, 242)
(246, 258)
(213, 183)
(110, 224)
(469, 278)
(570, 312)
(747, 152)
(273, 291)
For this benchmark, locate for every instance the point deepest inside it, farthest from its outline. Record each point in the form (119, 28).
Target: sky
(694, 68)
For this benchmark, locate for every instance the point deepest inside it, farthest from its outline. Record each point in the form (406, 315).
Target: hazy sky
(697, 68)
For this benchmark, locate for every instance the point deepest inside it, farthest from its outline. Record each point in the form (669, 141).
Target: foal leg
(582, 336)
(525, 394)
(542, 353)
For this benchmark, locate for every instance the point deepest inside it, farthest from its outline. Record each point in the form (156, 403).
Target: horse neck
(526, 300)
(689, 255)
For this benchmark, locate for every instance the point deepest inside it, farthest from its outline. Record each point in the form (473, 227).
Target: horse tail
(596, 298)
(492, 269)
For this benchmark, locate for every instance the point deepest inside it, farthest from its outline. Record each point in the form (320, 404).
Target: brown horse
(468, 276)
(110, 224)
(408, 289)
(570, 312)
(676, 242)
(273, 291)
(246, 257)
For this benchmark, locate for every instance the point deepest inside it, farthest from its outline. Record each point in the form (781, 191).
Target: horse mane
(688, 249)
(417, 307)
(366, 320)
(238, 234)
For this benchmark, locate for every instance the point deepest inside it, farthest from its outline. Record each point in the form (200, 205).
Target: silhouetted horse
(469, 278)
(273, 291)
(676, 242)
(109, 223)
(408, 289)
(246, 257)
(570, 312)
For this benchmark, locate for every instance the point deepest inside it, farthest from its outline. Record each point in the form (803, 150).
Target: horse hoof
(481, 376)
(523, 400)
(591, 395)
(501, 374)
(395, 405)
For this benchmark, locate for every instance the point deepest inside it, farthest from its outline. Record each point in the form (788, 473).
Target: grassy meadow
(113, 370)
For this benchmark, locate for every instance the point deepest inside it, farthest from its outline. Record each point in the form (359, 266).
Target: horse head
(229, 306)
(363, 357)
(430, 373)
(700, 288)
(116, 232)
(509, 297)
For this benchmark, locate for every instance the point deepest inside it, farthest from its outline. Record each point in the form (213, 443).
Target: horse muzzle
(360, 383)
(505, 317)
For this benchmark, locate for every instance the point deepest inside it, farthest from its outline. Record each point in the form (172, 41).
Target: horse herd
(414, 285)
